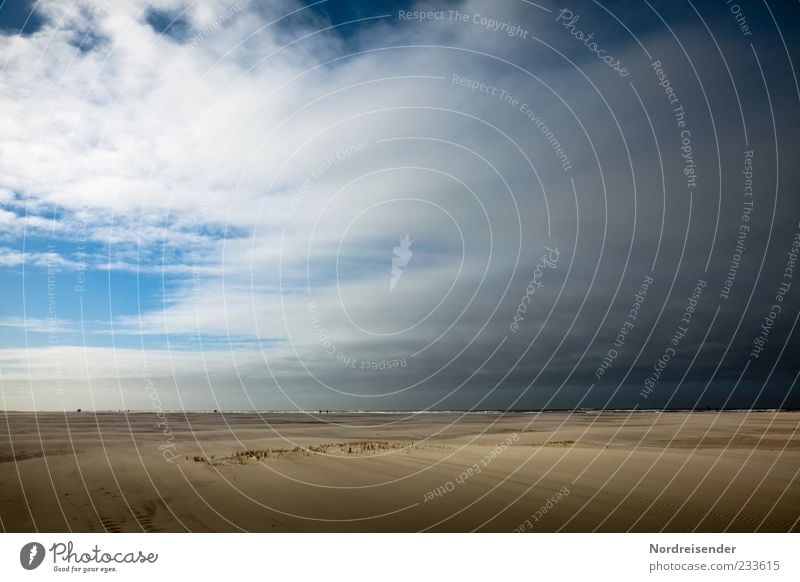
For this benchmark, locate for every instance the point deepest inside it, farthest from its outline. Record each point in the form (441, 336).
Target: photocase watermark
(168, 447)
(402, 255)
(421, 15)
(346, 359)
(523, 107)
(152, 101)
(549, 260)
(741, 19)
(52, 318)
(760, 340)
(508, 28)
(31, 555)
(568, 20)
(66, 559)
(551, 502)
(679, 115)
(472, 470)
(379, 364)
(317, 172)
(80, 252)
(548, 134)
(627, 327)
(677, 337)
(744, 227)
(201, 35)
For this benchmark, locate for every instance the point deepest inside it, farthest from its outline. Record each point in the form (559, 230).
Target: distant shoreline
(407, 411)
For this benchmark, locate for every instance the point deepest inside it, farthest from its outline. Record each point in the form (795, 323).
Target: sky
(398, 205)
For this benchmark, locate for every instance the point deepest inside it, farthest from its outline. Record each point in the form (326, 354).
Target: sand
(538, 472)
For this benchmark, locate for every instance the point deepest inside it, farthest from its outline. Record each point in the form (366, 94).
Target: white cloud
(37, 325)
(46, 260)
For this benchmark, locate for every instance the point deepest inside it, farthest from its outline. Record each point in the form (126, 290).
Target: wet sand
(539, 472)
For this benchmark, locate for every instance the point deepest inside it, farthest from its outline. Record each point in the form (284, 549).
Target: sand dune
(446, 472)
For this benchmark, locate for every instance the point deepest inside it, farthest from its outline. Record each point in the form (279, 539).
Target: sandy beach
(538, 472)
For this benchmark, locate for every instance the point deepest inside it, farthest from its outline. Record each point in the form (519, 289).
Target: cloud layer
(211, 194)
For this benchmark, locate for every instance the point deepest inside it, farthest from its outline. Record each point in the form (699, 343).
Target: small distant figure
(79, 410)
